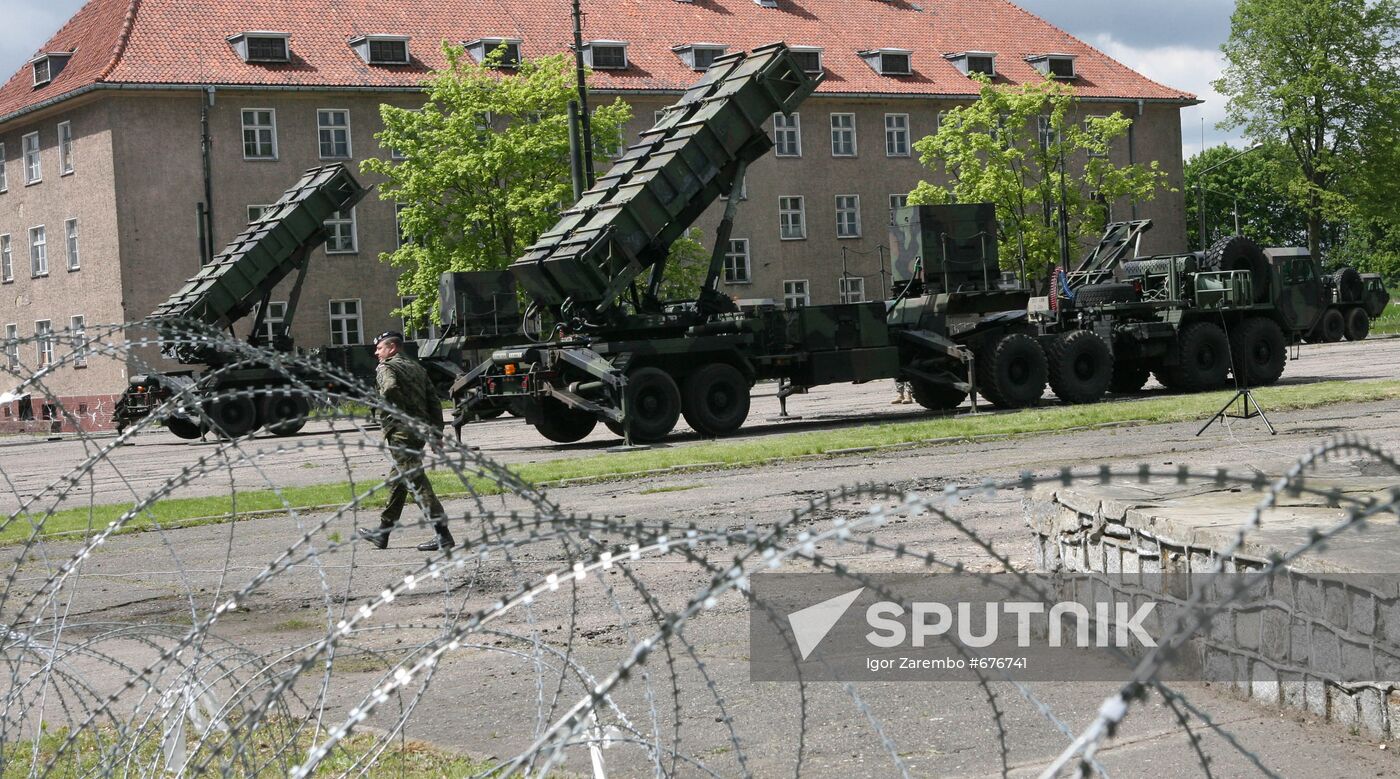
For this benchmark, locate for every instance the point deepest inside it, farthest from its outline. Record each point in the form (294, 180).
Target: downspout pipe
(206, 143)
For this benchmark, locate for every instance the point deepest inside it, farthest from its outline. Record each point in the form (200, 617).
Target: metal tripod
(1246, 398)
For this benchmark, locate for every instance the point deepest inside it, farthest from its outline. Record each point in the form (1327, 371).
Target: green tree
(1250, 182)
(484, 166)
(1321, 78)
(687, 262)
(1006, 149)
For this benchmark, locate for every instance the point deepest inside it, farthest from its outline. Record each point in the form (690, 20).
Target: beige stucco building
(104, 170)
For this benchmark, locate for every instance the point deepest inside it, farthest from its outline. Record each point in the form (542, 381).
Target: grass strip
(857, 439)
(1389, 320)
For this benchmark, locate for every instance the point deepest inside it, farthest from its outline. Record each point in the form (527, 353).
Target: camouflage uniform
(405, 385)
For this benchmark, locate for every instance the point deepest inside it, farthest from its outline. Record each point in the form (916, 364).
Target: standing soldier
(405, 385)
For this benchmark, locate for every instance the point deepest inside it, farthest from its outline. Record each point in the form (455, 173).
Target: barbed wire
(120, 665)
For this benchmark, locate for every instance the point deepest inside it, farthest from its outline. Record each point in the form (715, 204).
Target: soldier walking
(404, 384)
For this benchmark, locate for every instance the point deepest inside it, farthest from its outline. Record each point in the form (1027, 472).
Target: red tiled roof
(184, 42)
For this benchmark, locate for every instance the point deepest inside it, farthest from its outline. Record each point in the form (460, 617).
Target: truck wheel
(285, 414)
(1350, 288)
(1259, 350)
(1358, 324)
(234, 416)
(716, 399)
(1203, 357)
(1101, 294)
(1128, 376)
(561, 424)
(936, 397)
(1081, 366)
(1011, 372)
(653, 404)
(1332, 327)
(188, 429)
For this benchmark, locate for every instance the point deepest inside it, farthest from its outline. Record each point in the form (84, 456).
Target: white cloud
(1182, 67)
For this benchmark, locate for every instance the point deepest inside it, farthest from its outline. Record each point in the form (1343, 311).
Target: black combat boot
(441, 543)
(379, 536)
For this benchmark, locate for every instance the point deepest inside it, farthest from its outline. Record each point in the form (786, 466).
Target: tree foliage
(1250, 182)
(484, 168)
(1321, 78)
(1006, 149)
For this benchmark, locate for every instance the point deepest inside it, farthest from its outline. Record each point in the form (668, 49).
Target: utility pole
(585, 121)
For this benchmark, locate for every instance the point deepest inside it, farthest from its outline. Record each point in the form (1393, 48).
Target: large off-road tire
(1080, 366)
(653, 404)
(285, 414)
(562, 424)
(1128, 376)
(1259, 351)
(188, 429)
(936, 397)
(1237, 253)
(233, 416)
(715, 400)
(1358, 325)
(1103, 294)
(1332, 327)
(1203, 358)
(1011, 372)
(1350, 288)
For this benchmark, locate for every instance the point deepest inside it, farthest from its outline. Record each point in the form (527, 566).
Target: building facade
(104, 138)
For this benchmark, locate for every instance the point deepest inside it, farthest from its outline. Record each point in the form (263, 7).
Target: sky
(1176, 43)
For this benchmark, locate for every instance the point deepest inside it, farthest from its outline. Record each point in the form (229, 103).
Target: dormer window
(1054, 65)
(48, 66)
(699, 56)
(970, 62)
(382, 49)
(508, 48)
(888, 62)
(809, 58)
(606, 55)
(261, 46)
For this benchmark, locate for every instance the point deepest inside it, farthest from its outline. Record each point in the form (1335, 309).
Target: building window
(70, 230)
(345, 323)
(896, 135)
(942, 117)
(65, 148)
(888, 62)
(261, 46)
(852, 289)
(1054, 65)
(43, 340)
(43, 73)
(259, 134)
(398, 225)
(12, 344)
(255, 212)
(848, 216)
(505, 52)
(38, 251)
(77, 328)
(736, 262)
(33, 169)
(381, 49)
(982, 63)
(333, 127)
(606, 55)
(4, 182)
(796, 294)
(843, 135)
(792, 219)
(406, 326)
(743, 190)
(1049, 134)
(340, 233)
(787, 135)
(897, 202)
(809, 59)
(7, 260)
(699, 56)
(273, 320)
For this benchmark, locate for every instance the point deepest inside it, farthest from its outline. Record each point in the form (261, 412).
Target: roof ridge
(1100, 52)
(123, 37)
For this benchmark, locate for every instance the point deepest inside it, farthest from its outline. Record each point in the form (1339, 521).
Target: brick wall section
(72, 414)
(1288, 647)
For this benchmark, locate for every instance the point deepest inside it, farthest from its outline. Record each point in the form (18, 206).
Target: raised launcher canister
(625, 224)
(273, 245)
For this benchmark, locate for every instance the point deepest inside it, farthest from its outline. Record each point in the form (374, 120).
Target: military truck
(1352, 300)
(231, 393)
(620, 355)
(1191, 319)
